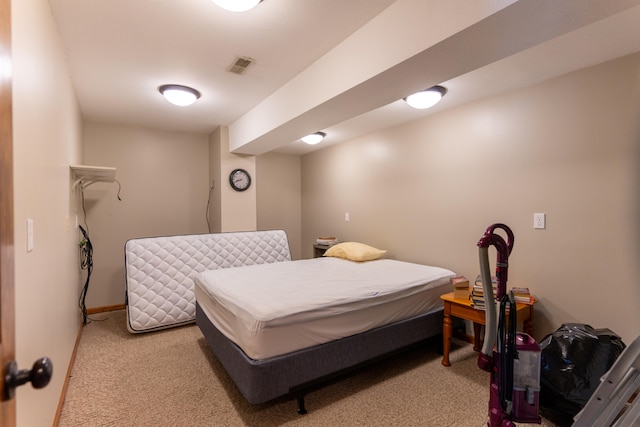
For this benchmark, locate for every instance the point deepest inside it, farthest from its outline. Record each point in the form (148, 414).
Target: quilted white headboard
(159, 287)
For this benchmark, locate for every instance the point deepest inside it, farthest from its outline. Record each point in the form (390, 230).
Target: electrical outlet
(539, 220)
(346, 216)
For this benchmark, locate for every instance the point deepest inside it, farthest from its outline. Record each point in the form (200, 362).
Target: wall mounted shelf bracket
(87, 175)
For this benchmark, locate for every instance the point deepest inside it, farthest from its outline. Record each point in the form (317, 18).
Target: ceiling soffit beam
(513, 29)
(402, 30)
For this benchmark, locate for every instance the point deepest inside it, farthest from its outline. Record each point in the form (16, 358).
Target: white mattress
(159, 270)
(274, 309)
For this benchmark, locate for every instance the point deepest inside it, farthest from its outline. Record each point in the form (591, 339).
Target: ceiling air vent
(240, 65)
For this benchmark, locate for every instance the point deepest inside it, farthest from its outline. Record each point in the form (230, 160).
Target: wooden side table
(462, 308)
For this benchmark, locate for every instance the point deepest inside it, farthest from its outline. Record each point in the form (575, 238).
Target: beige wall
(278, 197)
(215, 174)
(166, 178)
(47, 130)
(568, 147)
(236, 210)
(165, 186)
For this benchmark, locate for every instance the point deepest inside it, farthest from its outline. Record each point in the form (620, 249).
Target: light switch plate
(29, 235)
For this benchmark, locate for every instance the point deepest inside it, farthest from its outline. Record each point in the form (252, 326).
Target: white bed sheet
(274, 309)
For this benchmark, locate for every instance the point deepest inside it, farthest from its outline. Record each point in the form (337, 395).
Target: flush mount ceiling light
(314, 138)
(179, 95)
(237, 5)
(426, 98)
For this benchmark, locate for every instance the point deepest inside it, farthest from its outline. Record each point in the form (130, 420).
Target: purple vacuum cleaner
(512, 358)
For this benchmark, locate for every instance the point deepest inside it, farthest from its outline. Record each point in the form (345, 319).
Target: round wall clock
(239, 179)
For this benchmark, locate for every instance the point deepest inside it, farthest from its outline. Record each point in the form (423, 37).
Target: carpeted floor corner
(171, 378)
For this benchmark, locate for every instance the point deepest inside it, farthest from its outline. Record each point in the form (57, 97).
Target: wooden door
(7, 327)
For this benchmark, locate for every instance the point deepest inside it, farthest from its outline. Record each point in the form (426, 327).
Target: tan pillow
(354, 251)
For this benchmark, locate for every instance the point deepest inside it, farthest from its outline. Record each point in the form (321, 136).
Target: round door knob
(39, 376)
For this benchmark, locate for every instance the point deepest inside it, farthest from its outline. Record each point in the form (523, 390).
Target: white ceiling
(332, 65)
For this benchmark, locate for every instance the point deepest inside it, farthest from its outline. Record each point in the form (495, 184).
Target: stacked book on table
(477, 293)
(326, 241)
(522, 295)
(460, 287)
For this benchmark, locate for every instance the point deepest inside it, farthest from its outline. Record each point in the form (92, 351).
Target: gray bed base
(301, 371)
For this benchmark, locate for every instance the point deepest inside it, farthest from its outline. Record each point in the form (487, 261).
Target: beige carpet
(171, 378)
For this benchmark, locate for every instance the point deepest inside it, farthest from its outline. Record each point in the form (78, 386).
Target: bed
(173, 281)
(284, 328)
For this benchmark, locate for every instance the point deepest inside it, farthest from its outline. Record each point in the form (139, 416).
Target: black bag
(574, 358)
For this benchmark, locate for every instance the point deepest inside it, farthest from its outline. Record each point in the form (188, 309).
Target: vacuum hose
(485, 358)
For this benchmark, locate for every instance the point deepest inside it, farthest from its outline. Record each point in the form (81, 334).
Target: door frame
(7, 249)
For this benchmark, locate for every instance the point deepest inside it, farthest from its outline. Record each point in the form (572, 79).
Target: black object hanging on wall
(86, 263)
